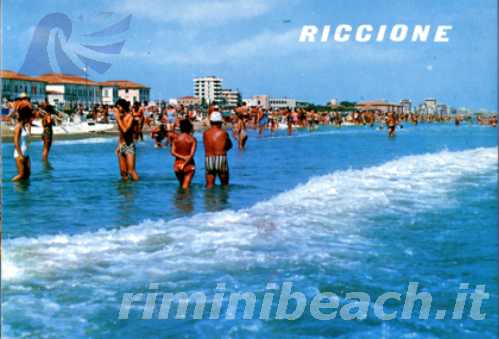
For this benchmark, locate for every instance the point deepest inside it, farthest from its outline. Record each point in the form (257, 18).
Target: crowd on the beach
(172, 126)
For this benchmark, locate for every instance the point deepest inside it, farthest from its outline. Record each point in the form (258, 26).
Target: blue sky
(251, 44)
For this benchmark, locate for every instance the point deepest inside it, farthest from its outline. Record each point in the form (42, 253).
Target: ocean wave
(289, 227)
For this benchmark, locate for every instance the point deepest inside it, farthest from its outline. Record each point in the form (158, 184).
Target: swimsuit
(264, 121)
(188, 168)
(47, 132)
(127, 149)
(216, 164)
(24, 144)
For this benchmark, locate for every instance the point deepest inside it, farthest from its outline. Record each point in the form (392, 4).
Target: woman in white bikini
(21, 133)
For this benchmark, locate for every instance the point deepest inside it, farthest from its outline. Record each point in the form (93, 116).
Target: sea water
(334, 210)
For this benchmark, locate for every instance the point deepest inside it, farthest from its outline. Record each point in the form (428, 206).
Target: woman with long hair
(47, 123)
(21, 133)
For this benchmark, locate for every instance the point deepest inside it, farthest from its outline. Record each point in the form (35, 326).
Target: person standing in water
(391, 123)
(216, 144)
(47, 136)
(263, 120)
(21, 133)
(183, 149)
(289, 121)
(239, 131)
(126, 149)
(138, 121)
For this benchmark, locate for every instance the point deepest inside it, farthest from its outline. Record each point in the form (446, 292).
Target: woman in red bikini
(183, 149)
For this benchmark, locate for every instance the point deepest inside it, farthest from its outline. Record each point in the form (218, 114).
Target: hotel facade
(70, 90)
(14, 84)
(128, 90)
(231, 98)
(208, 89)
(63, 89)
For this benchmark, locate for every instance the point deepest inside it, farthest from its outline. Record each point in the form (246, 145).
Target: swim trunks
(216, 164)
(127, 149)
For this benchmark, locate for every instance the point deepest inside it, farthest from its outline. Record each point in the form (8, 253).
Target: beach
(326, 210)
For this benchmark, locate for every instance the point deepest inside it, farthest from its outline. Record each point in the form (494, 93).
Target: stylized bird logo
(37, 60)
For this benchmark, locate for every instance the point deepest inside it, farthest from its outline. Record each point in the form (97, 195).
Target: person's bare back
(183, 144)
(216, 141)
(216, 144)
(183, 149)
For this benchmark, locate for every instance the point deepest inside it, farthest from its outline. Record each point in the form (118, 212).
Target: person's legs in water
(27, 167)
(210, 179)
(224, 178)
(46, 149)
(122, 164)
(187, 180)
(130, 164)
(242, 142)
(180, 177)
(20, 169)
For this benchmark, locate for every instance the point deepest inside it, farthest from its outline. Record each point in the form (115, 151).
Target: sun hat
(216, 117)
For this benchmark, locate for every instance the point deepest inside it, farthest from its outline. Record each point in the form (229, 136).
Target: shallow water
(333, 210)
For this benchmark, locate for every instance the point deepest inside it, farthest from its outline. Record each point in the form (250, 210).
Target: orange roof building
(128, 90)
(14, 84)
(60, 78)
(122, 84)
(61, 88)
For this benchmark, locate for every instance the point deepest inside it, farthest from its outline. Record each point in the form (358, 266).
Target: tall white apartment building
(208, 88)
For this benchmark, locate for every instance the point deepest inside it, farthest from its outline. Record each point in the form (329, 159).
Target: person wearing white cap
(216, 144)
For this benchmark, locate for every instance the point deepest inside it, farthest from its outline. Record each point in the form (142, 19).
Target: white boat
(69, 128)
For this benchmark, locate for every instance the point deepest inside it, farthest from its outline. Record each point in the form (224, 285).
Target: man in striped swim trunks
(216, 144)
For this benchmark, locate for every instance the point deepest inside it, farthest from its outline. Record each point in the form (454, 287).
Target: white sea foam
(96, 140)
(289, 227)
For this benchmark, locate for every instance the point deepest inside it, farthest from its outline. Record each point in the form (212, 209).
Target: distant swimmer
(216, 144)
(391, 124)
(183, 149)
(47, 136)
(126, 148)
(24, 112)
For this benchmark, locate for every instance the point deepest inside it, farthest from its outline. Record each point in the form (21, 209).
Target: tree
(204, 105)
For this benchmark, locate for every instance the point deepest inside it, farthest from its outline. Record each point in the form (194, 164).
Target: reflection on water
(216, 199)
(22, 186)
(47, 166)
(127, 191)
(183, 200)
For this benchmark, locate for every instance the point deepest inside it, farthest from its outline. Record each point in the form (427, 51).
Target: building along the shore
(406, 106)
(14, 84)
(380, 106)
(189, 101)
(109, 92)
(128, 90)
(278, 103)
(231, 98)
(71, 90)
(208, 89)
